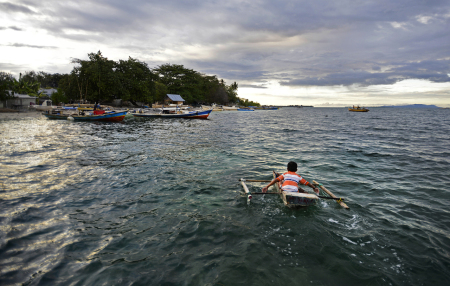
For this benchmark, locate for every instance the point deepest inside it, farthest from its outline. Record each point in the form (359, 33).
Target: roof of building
(175, 97)
(19, 95)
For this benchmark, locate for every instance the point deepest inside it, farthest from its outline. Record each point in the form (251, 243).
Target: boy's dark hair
(292, 166)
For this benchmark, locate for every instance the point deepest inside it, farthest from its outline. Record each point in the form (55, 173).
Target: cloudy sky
(321, 53)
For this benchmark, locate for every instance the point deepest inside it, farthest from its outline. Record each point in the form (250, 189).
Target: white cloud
(424, 19)
(398, 25)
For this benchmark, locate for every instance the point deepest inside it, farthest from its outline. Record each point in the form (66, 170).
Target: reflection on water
(148, 202)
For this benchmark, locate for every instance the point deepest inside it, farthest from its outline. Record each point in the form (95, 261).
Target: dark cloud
(11, 28)
(14, 8)
(300, 42)
(14, 28)
(252, 86)
(18, 45)
(436, 71)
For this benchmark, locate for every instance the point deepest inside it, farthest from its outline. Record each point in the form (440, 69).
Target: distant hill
(411, 106)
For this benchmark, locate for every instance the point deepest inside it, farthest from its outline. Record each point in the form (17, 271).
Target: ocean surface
(159, 202)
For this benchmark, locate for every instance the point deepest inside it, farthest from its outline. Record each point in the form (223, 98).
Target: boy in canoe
(291, 180)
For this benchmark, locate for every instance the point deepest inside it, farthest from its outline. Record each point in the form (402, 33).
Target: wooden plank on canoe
(331, 194)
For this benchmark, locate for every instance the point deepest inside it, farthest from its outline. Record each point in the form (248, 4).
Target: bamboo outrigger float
(292, 199)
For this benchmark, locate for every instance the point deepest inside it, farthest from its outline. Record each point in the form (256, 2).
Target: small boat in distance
(245, 109)
(357, 109)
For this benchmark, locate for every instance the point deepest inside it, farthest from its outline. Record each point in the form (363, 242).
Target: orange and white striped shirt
(291, 180)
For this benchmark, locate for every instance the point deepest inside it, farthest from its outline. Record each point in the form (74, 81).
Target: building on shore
(173, 99)
(18, 101)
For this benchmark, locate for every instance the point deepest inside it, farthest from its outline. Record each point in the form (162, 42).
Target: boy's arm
(316, 190)
(264, 190)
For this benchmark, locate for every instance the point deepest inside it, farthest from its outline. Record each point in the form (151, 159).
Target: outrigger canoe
(293, 199)
(201, 114)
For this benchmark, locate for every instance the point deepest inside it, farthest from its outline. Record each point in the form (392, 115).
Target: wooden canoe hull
(293, 199)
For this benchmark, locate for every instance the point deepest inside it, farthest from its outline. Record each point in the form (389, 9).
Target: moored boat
(56, 114)
(200, 114)
(245, 109)
(97, 115)
(110, 116)
(213, 106)
(46, 105)
(230, 108)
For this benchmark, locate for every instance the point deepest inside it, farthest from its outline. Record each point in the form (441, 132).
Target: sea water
(159, 202)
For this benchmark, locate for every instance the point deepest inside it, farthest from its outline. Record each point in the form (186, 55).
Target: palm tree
(24, 87)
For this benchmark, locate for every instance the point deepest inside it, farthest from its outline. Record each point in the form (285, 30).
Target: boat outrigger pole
(331, 194)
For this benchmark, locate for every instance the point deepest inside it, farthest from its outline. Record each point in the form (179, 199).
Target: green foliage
(246, 102)
(5, 85)
(195, 87)
(95, 78)
(101, 79)
(5, 77)
(46, 80)
(68, 85)
(59, 97)
(4, 93)
(136, 80)
(23, 86)
(161, 91)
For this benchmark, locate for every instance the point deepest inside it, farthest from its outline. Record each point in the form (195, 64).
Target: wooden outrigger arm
(331, 194)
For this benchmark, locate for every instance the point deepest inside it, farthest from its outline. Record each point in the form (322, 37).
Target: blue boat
(110, 116)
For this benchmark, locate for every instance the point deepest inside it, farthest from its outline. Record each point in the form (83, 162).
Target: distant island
(411, 106)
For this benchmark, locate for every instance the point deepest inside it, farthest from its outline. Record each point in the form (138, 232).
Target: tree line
(99, 79)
